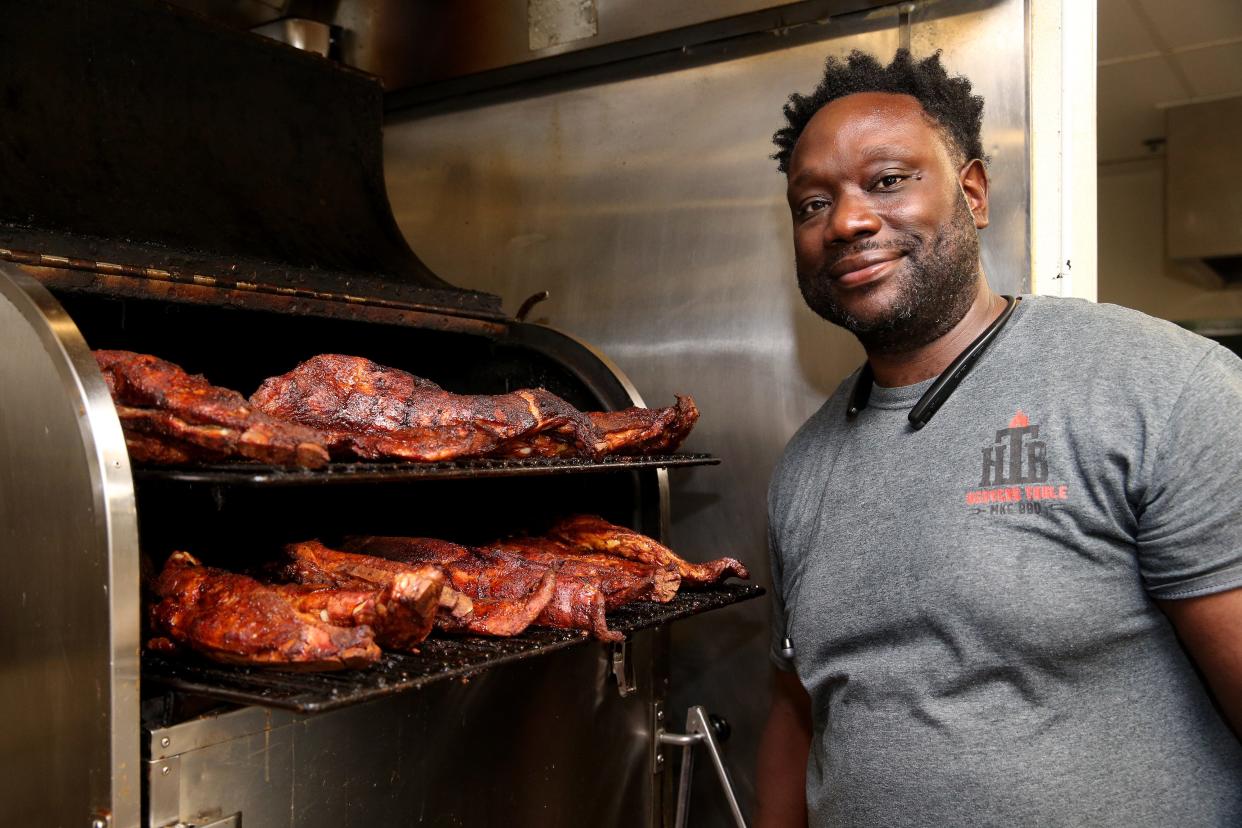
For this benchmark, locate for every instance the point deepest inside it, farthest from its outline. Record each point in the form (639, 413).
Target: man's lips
(863, 267)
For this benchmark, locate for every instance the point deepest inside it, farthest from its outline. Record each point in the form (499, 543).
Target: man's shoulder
(1083, 330)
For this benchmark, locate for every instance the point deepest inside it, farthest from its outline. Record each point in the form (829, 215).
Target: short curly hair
(947, 101)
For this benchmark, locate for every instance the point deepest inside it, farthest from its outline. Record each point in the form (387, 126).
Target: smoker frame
(184, 757)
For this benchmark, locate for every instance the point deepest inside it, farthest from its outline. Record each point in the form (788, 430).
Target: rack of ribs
(578, 601)
(378, 412)
(647, 430)
(170, 416)
(237, 620)
(504, 611)
(586, 533)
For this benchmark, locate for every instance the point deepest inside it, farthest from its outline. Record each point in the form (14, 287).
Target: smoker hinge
(623, 668)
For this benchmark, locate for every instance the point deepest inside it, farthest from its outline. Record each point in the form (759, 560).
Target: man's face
(884, 239)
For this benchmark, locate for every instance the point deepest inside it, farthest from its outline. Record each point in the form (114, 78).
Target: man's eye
(811, 206)
(890, 181)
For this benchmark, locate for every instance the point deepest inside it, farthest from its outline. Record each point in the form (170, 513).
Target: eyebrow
(886, 151)
(873, 153)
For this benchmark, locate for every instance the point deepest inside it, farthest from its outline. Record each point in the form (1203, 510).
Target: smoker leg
(701, 729)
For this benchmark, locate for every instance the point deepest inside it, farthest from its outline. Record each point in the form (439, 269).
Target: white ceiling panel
(1127, 95)
(1214, 71)
(1121, 32)
(1182, 23)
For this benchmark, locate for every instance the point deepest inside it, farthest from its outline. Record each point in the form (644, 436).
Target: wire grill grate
(438, 659)
(255, 474)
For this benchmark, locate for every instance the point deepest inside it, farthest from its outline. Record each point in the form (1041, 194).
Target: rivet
(165, 742)
(164, 771)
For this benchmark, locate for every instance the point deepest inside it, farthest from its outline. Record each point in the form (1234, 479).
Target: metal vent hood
(1203, 220)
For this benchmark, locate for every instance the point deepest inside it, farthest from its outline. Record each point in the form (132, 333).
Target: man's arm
(783, 749)
(1210, 627)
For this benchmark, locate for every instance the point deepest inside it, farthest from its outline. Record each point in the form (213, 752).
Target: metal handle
(702, 728)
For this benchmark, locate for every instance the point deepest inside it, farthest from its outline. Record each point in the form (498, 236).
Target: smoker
(216, 199)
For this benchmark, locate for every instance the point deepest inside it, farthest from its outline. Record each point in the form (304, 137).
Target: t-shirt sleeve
(1190, 524)
(778, 609)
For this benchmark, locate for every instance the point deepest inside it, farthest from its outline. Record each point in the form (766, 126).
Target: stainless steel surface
(1203, 219)
(623, 669)
(517, 746)
(252, 774)
(163, 791)
(699, 731)
(419, 44)
(985, 40)
(307, 35)
(646, 203)
(68, 575)
(206, 731)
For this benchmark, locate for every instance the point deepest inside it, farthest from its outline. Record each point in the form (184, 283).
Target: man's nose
(852, 218)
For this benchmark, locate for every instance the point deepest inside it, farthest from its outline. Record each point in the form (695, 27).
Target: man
(978, 614)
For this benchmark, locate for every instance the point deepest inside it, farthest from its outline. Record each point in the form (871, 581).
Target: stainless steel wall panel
(649, 207)
(68, 576)
(986, 42)
(409, 44)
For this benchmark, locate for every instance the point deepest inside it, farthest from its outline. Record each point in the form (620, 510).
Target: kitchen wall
(646, 202)
(1133, 269)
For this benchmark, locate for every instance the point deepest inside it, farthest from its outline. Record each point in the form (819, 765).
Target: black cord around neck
(945, 384)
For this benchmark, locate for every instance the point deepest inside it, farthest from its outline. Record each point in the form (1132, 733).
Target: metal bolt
(659, 715)
(164, 771)
(99, 822)
(165, 742)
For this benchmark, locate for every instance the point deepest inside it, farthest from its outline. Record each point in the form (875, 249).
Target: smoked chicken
(502, 612)
(578, 599)
(170, 416)
(237, 620)
(586, 533)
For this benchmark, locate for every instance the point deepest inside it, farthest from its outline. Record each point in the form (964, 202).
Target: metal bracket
(657, 735)
(623, 668)
(164, 791)
(700, 730)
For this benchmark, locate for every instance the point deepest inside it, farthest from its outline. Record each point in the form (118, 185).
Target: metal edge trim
(116, 520)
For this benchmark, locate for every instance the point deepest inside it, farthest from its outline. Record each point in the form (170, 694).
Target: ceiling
(1159, 53)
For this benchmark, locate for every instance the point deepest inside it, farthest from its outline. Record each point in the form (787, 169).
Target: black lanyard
(945, 384)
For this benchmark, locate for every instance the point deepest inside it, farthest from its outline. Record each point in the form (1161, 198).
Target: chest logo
(1015, 474)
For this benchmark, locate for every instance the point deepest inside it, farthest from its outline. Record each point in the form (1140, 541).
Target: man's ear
(973, 179)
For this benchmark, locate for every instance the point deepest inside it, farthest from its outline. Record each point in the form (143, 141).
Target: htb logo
(1017, 456)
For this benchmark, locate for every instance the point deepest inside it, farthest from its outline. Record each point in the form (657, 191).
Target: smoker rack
(437, 659)
(247, 474)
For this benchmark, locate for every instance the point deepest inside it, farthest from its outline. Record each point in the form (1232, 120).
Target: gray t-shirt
(971, 604)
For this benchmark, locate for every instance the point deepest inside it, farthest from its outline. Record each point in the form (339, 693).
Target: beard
(934, 287)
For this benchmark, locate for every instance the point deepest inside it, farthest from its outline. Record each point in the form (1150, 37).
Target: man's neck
(896, 370)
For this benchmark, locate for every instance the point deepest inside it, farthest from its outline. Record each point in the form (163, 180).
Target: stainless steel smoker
(216, 198)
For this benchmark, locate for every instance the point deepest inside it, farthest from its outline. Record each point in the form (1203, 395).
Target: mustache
(906, 244)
